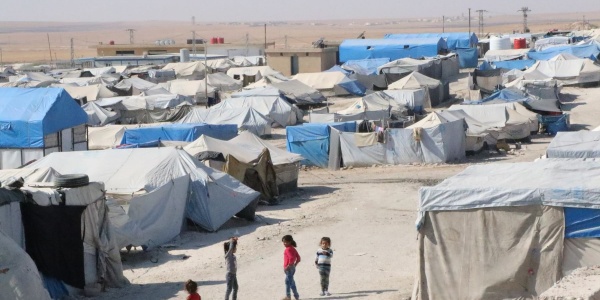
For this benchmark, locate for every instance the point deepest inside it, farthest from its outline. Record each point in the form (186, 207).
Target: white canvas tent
(89, 92)
(98, 116)
(325, 82)
(568, 70)
(298, 92)
(135, 84)
(275, 108)
(246, 118)
(210, 197)
(223, 82)
(187, 70)
(510, 122)
(256, 72)
(416, 80)
(194, 89)
(580, 144)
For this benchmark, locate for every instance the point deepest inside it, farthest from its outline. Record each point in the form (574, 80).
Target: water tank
(500, 43)
(157, 42)
(520, 43)
(214, 40)
(111, 42)
(221, 40)
(171, 42)
(184, 55)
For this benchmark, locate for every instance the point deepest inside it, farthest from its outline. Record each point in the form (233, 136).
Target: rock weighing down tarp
(210, 199)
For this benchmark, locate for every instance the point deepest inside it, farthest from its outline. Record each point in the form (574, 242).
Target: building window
(125, 52)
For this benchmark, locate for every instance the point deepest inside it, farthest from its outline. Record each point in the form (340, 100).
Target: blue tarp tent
(178, 132)
(582, 222)
(353, 87)
(390, 48)
(507, 64)
(582, 51)
(454, 40)
(29, 114)
(467, 58)
(311, 140)
(365, 66)
(337, 68)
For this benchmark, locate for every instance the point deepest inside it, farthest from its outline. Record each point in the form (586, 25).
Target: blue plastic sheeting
(507, 64)
(337, 68)
(554, 124)
(454, 40)
(582, 222)
(467, 58)
(353, 87)
(390, 48)
(56, 288)
(311, 140)
(365, 66)
(582, 51)
(150, 144)
(178, 132)
(29, 114)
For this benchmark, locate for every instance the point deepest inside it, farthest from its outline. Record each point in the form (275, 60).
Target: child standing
(291, 259)
(323, 263)
(230, 248)
(192, 288)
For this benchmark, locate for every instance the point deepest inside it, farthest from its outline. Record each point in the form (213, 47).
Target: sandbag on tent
(246, 118)
(98, 116)
(580, 144)
(21, 281)
(212, 198)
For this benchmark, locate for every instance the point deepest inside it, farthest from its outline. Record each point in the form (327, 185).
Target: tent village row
(124, 156)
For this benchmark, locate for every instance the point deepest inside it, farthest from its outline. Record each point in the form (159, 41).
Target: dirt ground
(369, 213)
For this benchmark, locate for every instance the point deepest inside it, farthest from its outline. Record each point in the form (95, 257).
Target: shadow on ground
(357, 294)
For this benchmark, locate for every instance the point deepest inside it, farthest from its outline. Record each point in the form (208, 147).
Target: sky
(267, 10)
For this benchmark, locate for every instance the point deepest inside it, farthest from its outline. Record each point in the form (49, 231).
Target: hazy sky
(267, 10)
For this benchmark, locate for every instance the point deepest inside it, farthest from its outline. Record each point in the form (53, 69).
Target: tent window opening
(236, 77)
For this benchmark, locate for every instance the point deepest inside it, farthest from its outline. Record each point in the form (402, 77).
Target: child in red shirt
(291, 259)
(192, 287)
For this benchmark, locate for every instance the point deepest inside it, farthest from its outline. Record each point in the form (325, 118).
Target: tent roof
(579, 144)
(299, 92)
(246, 118)
(454, 40)
(27, 115)
(134, 82)
(185, 68)
(321, 80)
(415, 80)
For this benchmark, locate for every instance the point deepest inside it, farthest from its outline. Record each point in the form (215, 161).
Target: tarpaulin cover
(29, 114)
(581, 51)
(246, 118)
(582, 222)
(365, 66)
(390, 48)
(178, 132)
(337, 68)
(520, 64)
(353, 87)
(578, 144)
(454, 40)
(467, 58)
(312, 141)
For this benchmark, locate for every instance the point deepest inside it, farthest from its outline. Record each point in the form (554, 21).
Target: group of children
(291, 259)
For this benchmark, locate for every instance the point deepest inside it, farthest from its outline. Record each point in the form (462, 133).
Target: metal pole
(205, 75)
(194, 43)
(1, 63)
(49, 49)
(443, 24)
(265, 44)
(470, 26)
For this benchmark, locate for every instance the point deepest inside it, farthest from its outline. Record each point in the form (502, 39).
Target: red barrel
(214, 40)
(520, 43)
(221, 40)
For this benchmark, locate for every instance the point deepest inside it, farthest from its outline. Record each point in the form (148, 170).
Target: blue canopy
(454, 40)
(311, 140)
(365, 66)
(507, 64)
(467, 58)
(353, 87)
(582, 51)
(390, 48)
(178, 132)
(582, 222)
(29, 114)
(337, 68)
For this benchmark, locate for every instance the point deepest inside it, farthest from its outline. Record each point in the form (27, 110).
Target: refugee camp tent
(187, 70)
(365, 66)
(552, 41)
(247, 147)
(331, 83)
(275, 108)
(439, 67)
(159, 184)
(89, 92)
(110, 136)
(454, 40)
(223, 82)
(519, 64)
(390, 48)
(195, 89)
(438, 92)
(590, 50)
(147, 109)
(511, 94)
(376, 106)
(580, 144)
(107, 80)
(98, 116)
(22, 280)
(478, 135)
(337, 68)
(33, 120)
(513, 124)
(312, 141)
(416, 100)
(252, 74)
(537, 227)
(568, 71)
(134, 85)
(505, 54)
(30, 80)
(424, 142)
(298, 92)
(246, 118)
(177, 132)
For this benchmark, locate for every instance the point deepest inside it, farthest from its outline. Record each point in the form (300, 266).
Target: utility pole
(72, 54)
(247, 42)
(470, 45)
(525, 10)
(194, 43)
(205, 74)
(193, 20)
(130, 35)
(286, 43)
(481, 11)
(49, 49)
(265, 44)
(443, 24)
(1, 63)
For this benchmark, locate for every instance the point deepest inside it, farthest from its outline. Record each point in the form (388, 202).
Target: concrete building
(126, 60)
(230, 50)
(292, 61)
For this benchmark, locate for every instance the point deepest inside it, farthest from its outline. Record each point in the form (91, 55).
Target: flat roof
(299, 50)
(129, 57)
(130, 46)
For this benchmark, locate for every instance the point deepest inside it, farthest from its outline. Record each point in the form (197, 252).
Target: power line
(525, 10)
(481, 31)
(131, 31)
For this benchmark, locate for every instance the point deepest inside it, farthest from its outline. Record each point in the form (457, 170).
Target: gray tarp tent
(580, 144)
